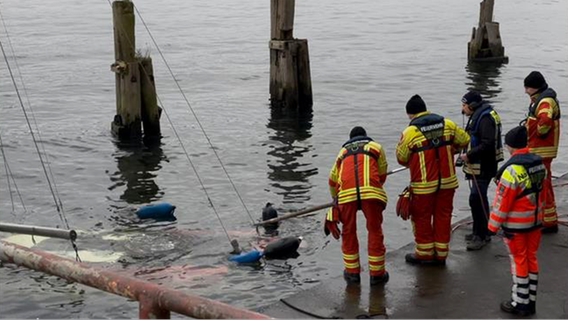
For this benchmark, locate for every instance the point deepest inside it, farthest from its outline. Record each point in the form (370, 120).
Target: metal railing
(156, 302)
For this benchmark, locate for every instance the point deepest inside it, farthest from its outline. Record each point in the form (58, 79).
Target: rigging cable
(193, 112)
(59, 205)
(32, 113)
(59, 208)
(182, 146)
(9, 175)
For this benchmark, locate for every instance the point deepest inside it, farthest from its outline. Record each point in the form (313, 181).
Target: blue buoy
(247, 257)
(161, 211)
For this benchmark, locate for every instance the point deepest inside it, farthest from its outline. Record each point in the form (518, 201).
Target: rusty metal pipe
(38, 231)
(155, 300)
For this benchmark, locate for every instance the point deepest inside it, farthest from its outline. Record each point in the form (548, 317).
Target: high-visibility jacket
(485, 149)
(519, 202)
(543, 124)
(359, 171)
(427, 147)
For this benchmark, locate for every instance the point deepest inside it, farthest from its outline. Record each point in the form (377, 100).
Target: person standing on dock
(543, 125)
(428, 147)
(518, 210)
(484, 151)
(356, 182)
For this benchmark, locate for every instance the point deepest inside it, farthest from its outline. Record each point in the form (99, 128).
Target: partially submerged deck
(471, 285)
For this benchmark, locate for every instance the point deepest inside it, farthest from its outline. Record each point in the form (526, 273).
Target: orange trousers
(373, 210)
(523, 248)
(550, 217)
(431, 216)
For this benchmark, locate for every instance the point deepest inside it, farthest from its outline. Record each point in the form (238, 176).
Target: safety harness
(354, 147)
(537, 173)
(432, 127)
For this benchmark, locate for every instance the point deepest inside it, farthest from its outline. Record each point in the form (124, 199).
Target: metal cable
(7, 175)
(57, 205)
(193, 112)
(45, 154)
(182, 145)
(11, 175)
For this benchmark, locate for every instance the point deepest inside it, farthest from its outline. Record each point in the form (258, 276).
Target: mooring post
(126, 124)
(486, 44)
(290, 79)
(150, 110)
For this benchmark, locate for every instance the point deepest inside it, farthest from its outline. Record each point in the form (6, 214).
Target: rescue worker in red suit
(518, 210)
(428, 147)
(356, 183)
(543, 125)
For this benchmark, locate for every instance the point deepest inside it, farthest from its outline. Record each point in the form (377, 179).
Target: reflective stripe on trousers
(431, 216)
(373, 211)
(550, 216)
(523, 249)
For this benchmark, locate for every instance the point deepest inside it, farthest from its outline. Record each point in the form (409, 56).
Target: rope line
(32, 113)
(57, 204)
(178, 137)
(193, 112)
(9, 175)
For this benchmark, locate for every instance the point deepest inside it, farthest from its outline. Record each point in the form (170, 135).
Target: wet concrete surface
(471, 285)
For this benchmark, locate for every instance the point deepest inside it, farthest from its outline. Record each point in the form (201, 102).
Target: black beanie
(535, 80)
(415, 105)
(517, 137)
(472, 98)
(356, 132)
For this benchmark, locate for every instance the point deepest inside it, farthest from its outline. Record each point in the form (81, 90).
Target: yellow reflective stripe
(376, 259)
(550, 219)
(425, 245)
(351, 256)
(441, 245)
(366, 166)
(351, 265)
(424, 252)
(329, 216)
(442, 253)
(376, 267)
(451, 161)
(550, 210)
(423, 167)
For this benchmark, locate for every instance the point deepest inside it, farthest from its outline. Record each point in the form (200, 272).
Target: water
(367, 59)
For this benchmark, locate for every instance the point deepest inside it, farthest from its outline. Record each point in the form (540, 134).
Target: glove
(331, 223)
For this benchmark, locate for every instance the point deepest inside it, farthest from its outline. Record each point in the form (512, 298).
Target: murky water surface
(367, 59)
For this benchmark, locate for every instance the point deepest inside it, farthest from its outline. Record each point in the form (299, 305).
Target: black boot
(553, 229)
(352, 278)
(413, 259)
(518, 309)
(375, 280)
(532, 307)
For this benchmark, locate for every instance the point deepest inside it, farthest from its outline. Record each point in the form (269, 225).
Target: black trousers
(479, 206)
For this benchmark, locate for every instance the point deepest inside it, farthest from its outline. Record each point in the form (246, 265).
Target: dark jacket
(485, 149)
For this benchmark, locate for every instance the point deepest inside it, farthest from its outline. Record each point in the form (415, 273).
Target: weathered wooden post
(290, 79)
(485, 44)
(150, 110)
(126, 124)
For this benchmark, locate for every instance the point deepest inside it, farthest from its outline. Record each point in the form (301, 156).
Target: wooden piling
(149, 104)
(126, 124)
(290, 78)
(486, 43)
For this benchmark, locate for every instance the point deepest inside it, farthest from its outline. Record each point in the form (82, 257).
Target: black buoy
(283, 248)
(268, 212)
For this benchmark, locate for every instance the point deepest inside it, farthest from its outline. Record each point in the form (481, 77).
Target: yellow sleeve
(403, 147)
(461, 138)
(334, 176)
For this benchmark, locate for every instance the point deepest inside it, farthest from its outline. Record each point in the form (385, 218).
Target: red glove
(331, 223)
